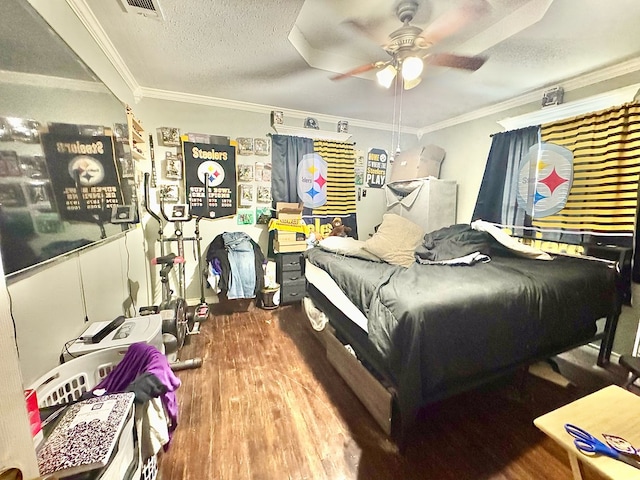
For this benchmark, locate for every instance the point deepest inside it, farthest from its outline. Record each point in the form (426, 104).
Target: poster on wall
(376, 171)
(212, 167)
(83, 173)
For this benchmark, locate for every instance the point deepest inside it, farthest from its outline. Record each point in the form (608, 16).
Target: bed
(429, 331)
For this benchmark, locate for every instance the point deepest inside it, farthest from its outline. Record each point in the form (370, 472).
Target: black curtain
(286, 152)
(497, 196)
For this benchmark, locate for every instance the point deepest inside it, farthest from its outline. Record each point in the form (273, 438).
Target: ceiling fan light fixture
(386, 75)
(411, 68)
(409, 84)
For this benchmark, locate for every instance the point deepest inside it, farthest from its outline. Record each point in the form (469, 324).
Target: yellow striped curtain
(341, 193)
(606, 150)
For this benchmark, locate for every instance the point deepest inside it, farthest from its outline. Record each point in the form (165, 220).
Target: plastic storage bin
(68, 381)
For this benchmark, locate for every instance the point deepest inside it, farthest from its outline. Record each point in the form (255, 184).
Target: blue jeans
(242, 280)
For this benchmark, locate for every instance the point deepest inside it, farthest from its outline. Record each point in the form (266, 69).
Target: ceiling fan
(409, 46)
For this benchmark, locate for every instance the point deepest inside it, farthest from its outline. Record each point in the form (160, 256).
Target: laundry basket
(68, 381)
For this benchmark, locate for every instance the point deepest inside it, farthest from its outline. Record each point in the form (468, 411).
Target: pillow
(508, 241)
(396, 240)
(347, 246)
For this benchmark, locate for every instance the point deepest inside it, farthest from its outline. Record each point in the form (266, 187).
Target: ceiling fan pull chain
(393, 120)
(399, 123)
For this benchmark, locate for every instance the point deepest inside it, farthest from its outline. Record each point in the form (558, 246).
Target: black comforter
(440, 329)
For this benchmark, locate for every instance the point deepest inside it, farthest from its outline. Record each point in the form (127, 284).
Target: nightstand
(290, 277)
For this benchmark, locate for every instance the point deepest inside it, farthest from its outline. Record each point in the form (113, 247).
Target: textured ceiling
(282, 53)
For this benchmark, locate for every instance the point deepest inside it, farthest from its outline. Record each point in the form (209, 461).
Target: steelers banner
(83, 174)
(545, 179)
(210, 168)
(312, 180)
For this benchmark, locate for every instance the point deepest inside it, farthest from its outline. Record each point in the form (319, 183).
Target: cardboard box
(289, 237)
(289, 247)
(289, 212)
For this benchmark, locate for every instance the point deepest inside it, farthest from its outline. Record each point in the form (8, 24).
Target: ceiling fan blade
(455, 61)
(453, 20)
(358, 70)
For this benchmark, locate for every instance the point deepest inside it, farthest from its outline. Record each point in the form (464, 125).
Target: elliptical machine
(178, 321)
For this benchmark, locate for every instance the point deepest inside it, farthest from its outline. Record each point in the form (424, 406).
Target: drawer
(289, 261)
(375, 397)
(293, 292)
(287, 278)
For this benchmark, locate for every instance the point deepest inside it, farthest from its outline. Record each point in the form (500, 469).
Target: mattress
(330, 289)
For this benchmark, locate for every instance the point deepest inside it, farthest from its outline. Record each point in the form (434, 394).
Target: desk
(611, 410)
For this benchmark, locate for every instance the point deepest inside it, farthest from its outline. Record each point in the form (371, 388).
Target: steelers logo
(544, 179)
(383, 157)
(87, 170)
(212, 172)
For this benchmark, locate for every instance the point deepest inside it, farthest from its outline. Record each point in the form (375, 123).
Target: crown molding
(572, 109)
(91, 23)
(259, 108)
(46, 81)
(575, 83)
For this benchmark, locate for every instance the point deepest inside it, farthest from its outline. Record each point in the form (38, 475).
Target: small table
(612, 410)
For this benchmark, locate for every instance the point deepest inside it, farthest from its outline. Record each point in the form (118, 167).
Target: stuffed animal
(339, 230)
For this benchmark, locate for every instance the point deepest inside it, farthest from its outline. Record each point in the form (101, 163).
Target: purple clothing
(140, 358)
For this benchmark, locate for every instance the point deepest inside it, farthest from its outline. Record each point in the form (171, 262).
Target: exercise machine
(178, 320)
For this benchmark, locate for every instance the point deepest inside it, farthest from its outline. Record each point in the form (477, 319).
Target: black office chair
(631, 364)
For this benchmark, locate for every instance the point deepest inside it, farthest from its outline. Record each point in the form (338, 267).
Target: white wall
(188, 117)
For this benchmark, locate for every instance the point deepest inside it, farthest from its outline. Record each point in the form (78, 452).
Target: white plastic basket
(68, 381)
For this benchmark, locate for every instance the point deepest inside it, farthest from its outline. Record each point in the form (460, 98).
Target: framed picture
(39, 195)
(33, 166)
(263, 215)
(169, 193)
(11, 195)
(245, 145)
(245, 173)
(48, 223)
(169, 136)
(245, 195)
(121, 132)
(9, 165)
(277, 117)
(266, 173)
(264, 194)
(245, 217)
(262, 146)
(127, 167)
(173, 166)
(25, 130)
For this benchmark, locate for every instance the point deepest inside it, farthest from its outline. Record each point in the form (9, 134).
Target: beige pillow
(396, 240)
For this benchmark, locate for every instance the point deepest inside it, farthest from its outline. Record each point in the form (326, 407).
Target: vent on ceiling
(147, 8)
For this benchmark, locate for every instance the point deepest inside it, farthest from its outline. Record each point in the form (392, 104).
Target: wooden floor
(266, 404)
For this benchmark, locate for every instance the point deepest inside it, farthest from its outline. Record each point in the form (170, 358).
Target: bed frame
(371, 383)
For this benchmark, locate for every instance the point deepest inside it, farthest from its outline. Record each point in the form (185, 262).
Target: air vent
(147, 8)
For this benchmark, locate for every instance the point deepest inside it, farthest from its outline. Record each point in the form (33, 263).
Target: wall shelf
(311, 133)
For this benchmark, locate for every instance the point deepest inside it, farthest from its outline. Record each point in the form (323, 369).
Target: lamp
(411, 68)
(386, 76)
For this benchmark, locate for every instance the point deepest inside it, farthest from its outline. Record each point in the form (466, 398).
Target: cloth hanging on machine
(237, 262)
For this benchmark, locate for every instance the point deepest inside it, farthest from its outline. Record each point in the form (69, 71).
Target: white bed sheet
(323, 282)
